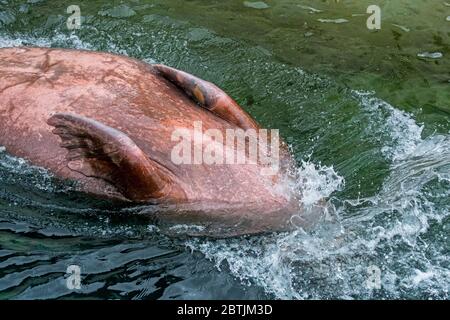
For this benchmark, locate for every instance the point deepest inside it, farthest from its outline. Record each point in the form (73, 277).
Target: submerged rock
(6, 17)
(54, 20)
(256, 5)
(143, 7)
(121, 11)
(430, 55)
(24, 8)
(198, 34)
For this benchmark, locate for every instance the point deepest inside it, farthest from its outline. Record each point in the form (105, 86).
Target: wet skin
(106, 121)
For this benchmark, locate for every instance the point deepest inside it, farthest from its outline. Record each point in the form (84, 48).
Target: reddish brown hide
(106, 121)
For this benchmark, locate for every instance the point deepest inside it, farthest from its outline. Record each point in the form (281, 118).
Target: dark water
(367, 119)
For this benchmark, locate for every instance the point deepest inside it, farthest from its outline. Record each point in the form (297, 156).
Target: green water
(366, 117)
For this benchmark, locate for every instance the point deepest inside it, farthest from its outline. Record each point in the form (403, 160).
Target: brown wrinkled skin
(129, 96)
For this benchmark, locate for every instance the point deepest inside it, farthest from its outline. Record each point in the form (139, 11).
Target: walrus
(107, 122)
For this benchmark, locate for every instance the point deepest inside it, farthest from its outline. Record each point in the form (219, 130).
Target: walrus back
(119, 92)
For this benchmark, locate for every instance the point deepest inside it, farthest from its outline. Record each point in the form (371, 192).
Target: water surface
(365, 112)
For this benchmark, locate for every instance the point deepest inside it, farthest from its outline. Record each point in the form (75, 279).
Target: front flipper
(96, 150)
(208, 96)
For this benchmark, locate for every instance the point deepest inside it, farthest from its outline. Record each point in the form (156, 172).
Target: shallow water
(366, 116)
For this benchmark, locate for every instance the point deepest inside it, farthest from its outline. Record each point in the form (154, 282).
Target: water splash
(267, 261)
(316, 182)
(399, 131)
(58, 40)
(401, 230)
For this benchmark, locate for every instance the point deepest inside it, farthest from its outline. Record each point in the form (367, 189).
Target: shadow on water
(384, 167)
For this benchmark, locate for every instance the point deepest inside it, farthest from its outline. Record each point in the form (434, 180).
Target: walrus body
(106, 121)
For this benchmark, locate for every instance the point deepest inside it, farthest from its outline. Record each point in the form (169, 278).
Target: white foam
(18, 168)
(62, 40)
(332, 261)
(266, 261)
(404, 133)
(421, 276)
(385, 231)
(316, 182)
